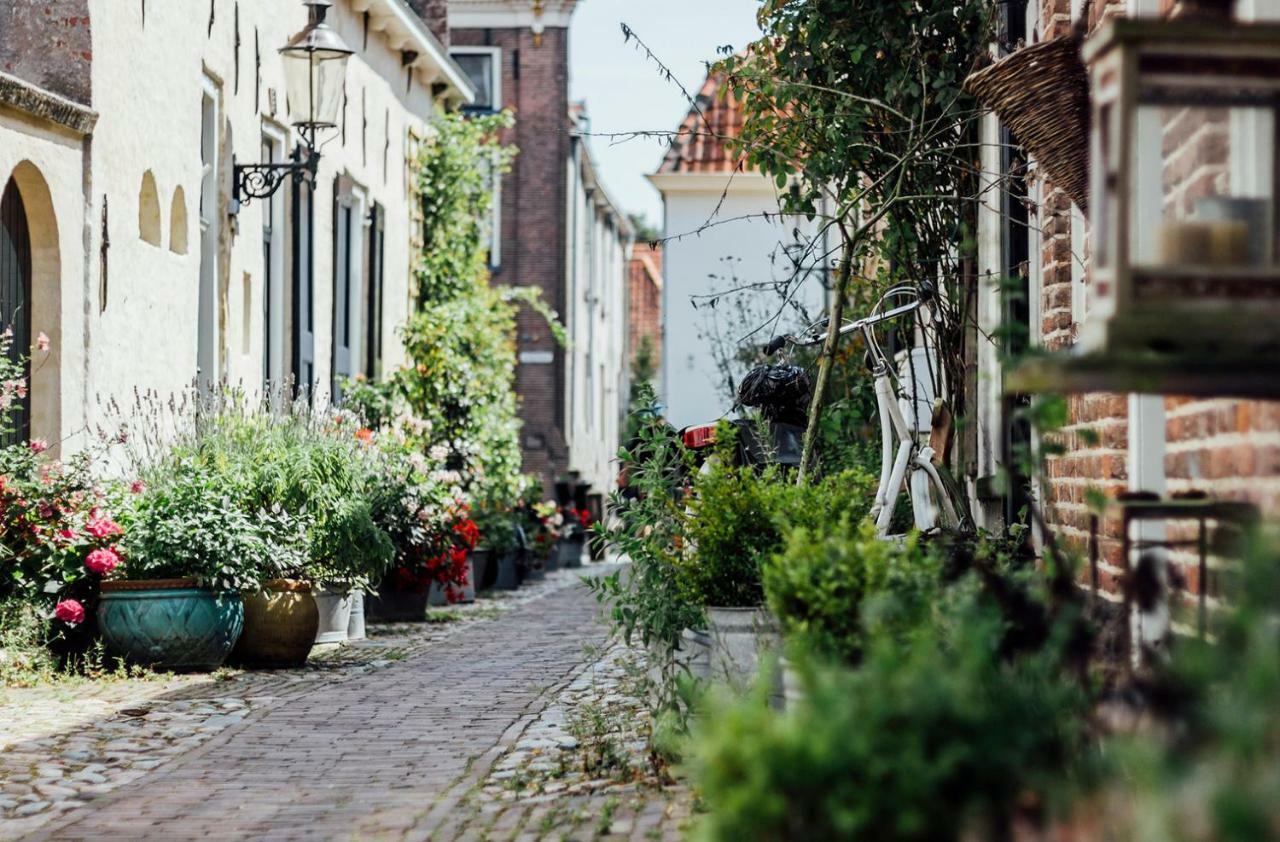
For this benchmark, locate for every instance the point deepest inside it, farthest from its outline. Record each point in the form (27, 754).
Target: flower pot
(551, 562)
(740, 637)
(535, 565)
(484, 570)
(438, 597)
(694, 654)
(571, 551)
(355, 625)
(169, 624)
(335, 615)
(280, 624)
(792, 686)
(392, 605)
(508, 574)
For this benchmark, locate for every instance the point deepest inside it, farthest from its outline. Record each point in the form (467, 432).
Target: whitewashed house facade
(722, 231)
(120, 125)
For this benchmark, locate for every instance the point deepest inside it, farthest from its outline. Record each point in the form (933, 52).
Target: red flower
(102, 561)
(103, 527)
(468, 531)
(364, 434)
(69, 611)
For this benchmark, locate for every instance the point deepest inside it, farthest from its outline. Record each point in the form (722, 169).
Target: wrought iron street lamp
(315, 68)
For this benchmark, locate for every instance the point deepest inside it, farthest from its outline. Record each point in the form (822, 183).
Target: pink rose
(38, 445)
(137, 486)
(42, 341)
(102, 561)
(102, 527)
(69, 611)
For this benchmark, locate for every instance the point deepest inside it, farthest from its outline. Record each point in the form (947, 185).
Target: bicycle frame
(903, 459)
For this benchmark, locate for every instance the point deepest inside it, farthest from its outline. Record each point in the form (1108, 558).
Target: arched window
(178, 222)
(149, 210)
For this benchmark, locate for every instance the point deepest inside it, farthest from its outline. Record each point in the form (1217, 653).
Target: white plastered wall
(147, 82)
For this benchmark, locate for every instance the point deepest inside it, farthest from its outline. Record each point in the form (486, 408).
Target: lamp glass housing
(314, 81)
(315, 68)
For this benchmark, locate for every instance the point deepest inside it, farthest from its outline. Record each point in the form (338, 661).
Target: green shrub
(739, 518)
(931, 741)
(648, 601)
(830, 585)
(235, 493)
(24, 636)
(187, 524)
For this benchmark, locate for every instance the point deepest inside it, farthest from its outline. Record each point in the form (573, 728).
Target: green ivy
(459, 383)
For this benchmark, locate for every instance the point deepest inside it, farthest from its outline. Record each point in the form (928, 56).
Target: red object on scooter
(696, 438)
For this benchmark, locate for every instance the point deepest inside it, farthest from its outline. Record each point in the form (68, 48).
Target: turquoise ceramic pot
(169, 625)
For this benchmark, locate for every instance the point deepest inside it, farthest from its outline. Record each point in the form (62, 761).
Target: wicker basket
(1042, 93)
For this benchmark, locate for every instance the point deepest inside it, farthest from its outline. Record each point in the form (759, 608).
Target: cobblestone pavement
(405, 735)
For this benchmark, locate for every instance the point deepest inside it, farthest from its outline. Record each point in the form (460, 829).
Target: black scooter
(781, 393)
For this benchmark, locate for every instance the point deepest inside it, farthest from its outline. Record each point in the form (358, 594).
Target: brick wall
(436, 15)
(645, 291)
(47, 43)
(535, 84)
(1228, 448)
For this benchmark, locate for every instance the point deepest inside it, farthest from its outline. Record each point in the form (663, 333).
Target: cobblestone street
(513, 719)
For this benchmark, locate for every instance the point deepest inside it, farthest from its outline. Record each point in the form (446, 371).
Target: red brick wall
(535, 84)
(645, 313)
(435, 13)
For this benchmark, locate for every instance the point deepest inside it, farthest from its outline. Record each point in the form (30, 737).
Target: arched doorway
(15, 301)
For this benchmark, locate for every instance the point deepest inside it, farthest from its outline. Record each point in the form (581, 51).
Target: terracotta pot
(280, 625)
(169, 624)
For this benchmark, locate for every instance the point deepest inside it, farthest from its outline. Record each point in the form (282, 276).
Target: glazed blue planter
(169, 624)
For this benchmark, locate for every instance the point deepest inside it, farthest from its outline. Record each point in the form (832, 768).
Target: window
(273, 288)
(210, 225)
(483, 66)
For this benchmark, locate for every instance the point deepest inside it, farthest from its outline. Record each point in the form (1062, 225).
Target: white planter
(694, 655)
(355, 625)
(335, 615)
(792, 689)
(740, 640)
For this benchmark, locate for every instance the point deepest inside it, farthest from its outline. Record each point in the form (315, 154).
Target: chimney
(436, 15)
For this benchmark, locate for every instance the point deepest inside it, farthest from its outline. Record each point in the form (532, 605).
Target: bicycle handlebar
(924, 293)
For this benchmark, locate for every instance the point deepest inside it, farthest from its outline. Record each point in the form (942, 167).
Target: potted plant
(453, 577)
(573, 536)
(737, 520)
(500, 541)
(347, 552)
(190, 550)
(281, 619)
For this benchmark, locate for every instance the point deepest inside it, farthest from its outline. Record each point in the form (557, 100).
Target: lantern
(1183, 170)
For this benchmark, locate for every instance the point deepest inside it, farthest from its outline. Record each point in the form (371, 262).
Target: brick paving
(397, 752)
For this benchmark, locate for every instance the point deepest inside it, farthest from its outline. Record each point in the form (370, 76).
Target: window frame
(495, 69)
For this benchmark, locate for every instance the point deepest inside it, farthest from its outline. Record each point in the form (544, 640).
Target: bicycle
(911, 463)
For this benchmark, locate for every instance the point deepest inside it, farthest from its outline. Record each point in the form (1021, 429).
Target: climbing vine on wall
(459, 382)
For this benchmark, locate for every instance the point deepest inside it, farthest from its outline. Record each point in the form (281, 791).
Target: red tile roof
(699, 144)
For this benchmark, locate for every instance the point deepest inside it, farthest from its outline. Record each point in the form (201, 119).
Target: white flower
(438, 453)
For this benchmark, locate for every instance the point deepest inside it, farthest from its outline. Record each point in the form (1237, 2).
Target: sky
(623, 90)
